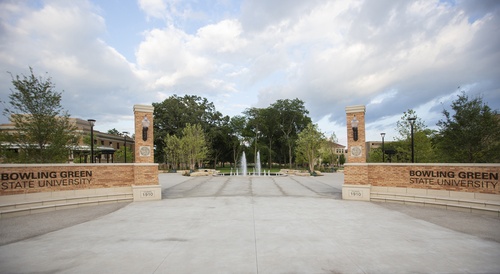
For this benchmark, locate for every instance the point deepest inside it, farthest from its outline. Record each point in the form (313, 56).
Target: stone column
(357, 151)
(146, 184)
(144, 152)
(356, 185)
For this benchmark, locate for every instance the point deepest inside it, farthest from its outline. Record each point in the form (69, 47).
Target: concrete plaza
(251, 225)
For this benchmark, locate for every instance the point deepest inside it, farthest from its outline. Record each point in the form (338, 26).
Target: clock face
(356, 151)
(145, 151)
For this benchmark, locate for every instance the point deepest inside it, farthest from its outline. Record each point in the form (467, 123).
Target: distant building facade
(337, 149)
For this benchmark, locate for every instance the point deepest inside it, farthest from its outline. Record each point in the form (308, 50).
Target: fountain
(257, 164)
(242, 170)
(243, 164)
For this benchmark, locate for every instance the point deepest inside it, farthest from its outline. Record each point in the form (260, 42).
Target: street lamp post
(125, 145)
(383, 150)
(412, 122)
(92, 123)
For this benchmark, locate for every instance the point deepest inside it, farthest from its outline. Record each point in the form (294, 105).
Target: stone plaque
(145, 151)
(356, 151)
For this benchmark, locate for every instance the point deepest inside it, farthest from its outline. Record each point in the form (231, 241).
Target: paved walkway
(257, 225)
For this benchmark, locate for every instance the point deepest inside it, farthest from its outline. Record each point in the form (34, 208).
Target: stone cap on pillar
(355, 109)
(144, 108)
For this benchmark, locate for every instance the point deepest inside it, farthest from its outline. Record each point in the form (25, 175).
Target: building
(335, 148)
(105, 145)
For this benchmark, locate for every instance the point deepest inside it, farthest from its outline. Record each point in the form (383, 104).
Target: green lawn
(250, 169)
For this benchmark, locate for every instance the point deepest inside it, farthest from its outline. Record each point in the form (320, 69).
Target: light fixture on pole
(125, 145)
(354, 125)
(383, 149)
(412, 122)
(91, 123)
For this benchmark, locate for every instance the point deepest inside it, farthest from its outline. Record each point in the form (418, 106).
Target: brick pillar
(144, 152)
(356, 185)
(146, 184)
(357, 150)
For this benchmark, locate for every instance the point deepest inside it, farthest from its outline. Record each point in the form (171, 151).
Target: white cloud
(388, 55)
(62, 39)
(223, 37)
(154, 8)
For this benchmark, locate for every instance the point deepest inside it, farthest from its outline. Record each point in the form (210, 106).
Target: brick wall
(25, 179)
(478, 178)
(356, 174)
(146, 174)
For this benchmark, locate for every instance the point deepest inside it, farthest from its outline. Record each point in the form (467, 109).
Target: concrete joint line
(255, 237)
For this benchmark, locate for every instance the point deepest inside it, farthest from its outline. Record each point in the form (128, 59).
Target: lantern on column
(354, 125)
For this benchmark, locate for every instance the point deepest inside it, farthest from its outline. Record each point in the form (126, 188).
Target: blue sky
(390, 56)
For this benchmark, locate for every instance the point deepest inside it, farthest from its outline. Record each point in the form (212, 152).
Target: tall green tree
(253, 129)
(237, 125)
(309, 143)
(218, 136)
(471, 134)
(270, 131)
(194, 145)
(422, 139)
(172, 115)
(292, 116)
(43, 129)
(173, 151)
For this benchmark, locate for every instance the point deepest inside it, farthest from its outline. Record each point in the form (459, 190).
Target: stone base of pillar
(146, 193)
(356, 192)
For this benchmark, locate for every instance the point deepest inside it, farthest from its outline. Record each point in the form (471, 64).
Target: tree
(292, 116)
(193, 144)
(332, 147)
(43, 130)
(172, 115)
(341, 159)
(253, 131)
(237, 125)
(375, 155)
(114, 131)
(328, 151)
(422, 137)
(309, 142)
(173, 151)
(270, 131)
(218, 136)
(471, 134)
(119, 155)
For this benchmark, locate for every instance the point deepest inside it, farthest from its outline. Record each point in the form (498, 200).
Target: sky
(105, 56)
